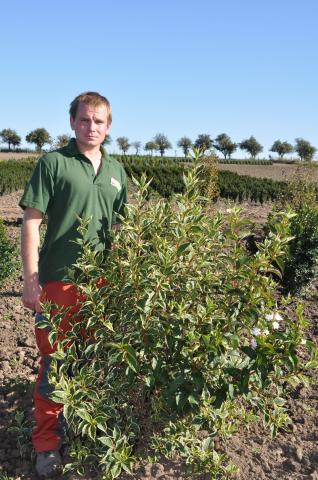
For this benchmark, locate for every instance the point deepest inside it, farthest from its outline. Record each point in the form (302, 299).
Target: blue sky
(173, 66)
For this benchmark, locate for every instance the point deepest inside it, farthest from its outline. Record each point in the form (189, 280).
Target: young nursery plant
(301, 198)
(8, 255)
(185, 339)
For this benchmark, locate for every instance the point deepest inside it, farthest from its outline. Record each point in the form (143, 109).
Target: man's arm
(30, 244)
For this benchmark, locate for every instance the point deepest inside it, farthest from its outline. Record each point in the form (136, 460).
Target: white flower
(275, 325)
(303, 341)
(253, 343)
(256, 331)
(266, 331)
(229, 210)
(273, 316)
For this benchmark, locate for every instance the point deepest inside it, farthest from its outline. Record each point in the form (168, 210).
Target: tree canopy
(305, 150)
(123, 144)
(252, 146)
(10, 137)
(39, 136)
(163, 143)
(136, 145)
(62, 140)
(204, 142)
(151, 146)
(224, 144)
(282, 148)
(185, 143)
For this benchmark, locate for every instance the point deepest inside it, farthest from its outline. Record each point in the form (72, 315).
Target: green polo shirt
(64, 186)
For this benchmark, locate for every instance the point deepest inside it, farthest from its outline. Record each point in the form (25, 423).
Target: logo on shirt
(115, 183)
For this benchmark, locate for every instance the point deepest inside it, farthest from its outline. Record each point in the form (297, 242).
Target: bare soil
(293, 455)
(16, 155)
(277, 171)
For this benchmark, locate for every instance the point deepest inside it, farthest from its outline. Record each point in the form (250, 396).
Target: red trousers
(48, 433)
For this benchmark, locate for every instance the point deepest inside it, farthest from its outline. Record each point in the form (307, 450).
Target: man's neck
(93, 154)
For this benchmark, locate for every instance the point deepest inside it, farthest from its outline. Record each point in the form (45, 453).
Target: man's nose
(92, 125)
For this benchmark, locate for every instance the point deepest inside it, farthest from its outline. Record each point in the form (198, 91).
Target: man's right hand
(30, 243)
(31, 293)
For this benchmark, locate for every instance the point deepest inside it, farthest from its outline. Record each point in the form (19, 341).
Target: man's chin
(88, 142)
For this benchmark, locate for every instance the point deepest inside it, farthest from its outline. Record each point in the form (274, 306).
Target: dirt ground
(277, 171)
(293, 455)
(16, 155)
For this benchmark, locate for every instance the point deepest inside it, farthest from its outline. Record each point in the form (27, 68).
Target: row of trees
(222, 143)
(39, 137)
(159, 143)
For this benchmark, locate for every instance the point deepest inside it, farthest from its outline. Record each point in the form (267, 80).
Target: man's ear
(72, 122)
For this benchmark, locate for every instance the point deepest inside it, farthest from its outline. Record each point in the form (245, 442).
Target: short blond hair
(91, 98)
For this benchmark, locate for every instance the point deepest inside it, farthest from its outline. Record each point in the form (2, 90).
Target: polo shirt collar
(73, 150)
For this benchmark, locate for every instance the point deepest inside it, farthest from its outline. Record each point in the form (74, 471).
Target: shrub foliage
(14, 174)
(186, 331)
(301, 198)
(244, 187)
(8, 254)
(167, 178)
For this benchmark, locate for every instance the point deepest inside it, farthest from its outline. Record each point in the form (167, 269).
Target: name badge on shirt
(115, 183)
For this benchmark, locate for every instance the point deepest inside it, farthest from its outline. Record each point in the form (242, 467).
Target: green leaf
(149, 381)
(82, 413)
(115, 470)
(131, 358)
(175, 384)
(106, 441)
(58, 355)
(102, 427)
(183, 247)
(279, 401)
(196, 229)
(59, 396)
(67, 412)
(235, 341)
(89, 349)
(154, 363)
(127, 468)
(207, 444)
(43, 324)
(231, 390)
(193, 400)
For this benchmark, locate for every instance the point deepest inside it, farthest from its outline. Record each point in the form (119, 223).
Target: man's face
(90, 125)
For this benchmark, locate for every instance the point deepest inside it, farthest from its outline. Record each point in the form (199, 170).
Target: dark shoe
(48, 464)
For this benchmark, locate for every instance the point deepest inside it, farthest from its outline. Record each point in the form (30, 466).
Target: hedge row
(167, 178)
(243, 187)
(245, 161)
(150, 159)
(163, 160)
(14, 174)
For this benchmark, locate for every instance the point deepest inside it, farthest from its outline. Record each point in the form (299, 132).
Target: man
(76, 181)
